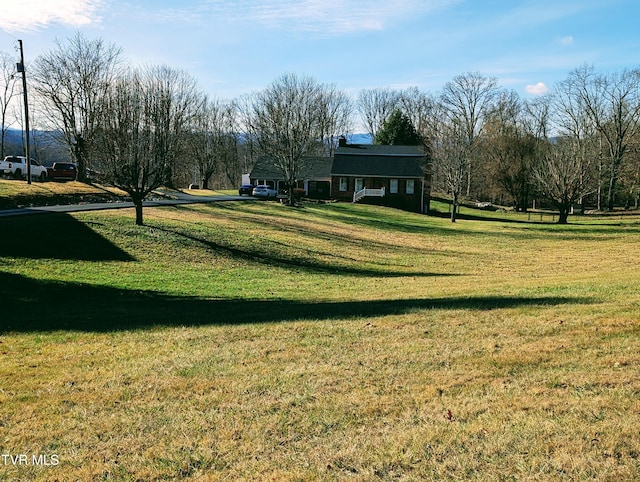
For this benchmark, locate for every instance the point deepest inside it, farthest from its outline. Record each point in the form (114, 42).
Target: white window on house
(359, 184)
(410, 186)
(344, 185)
(393, 186)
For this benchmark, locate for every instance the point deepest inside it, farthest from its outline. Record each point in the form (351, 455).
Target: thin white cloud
(533, 14)
(568, 40)
(29, 15)
(324, 17)
(537, 89)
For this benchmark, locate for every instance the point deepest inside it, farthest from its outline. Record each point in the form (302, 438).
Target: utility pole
(26, 110)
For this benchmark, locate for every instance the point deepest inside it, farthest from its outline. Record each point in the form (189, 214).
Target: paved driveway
(180, 198)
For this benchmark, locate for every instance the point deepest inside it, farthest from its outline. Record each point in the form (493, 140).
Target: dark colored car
(63, 170)
(246, 189)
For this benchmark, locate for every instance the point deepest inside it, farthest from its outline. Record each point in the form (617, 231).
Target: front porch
(361, 194)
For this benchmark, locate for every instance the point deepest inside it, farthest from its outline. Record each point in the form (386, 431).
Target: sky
(234, 47)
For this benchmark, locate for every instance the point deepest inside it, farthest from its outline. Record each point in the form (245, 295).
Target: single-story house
(314, 178)
(393, 176)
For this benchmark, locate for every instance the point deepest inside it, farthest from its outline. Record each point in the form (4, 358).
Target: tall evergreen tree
(399, 131)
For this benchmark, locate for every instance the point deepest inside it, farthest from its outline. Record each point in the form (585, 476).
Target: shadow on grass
(38, 306)
(278, 258)
(576, 229)
(62, 237)
(477, 217)
(55, 236)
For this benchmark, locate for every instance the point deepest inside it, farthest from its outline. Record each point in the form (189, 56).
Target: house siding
(378, 167)
(400, 200)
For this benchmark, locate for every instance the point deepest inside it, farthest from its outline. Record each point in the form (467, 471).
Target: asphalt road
(72, 208)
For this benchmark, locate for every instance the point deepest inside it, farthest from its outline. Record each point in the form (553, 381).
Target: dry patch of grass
(16, 193)
(329, 343)
(210, 192)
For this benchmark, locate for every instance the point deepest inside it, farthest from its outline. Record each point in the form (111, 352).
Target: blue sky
(235, 47)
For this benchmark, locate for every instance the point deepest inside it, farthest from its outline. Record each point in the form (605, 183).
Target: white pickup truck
(16, 166)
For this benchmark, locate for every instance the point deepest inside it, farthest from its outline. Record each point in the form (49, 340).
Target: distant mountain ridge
(44, 146)
(45, 149)
(359, 139)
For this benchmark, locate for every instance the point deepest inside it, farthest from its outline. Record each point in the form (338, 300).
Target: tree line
(575, 146)
(142, 127)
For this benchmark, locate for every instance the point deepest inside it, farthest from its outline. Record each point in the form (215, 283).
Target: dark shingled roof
(317, 168)
(382, 161)
(312, 168)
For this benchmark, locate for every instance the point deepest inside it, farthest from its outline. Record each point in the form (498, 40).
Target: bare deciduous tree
(212, 140)
(612, 103)
(143, 124)
(573, 121)
(8, 83)
(511, 150)
(285, 124)
(468, 98)
(335, 111)
(451, 154)
(375, 106)
(248, 147)
(630, 175)
(70, 81)
(449, 151)
(563, 175)
(290, 120)
(537, 117)
(420, 107)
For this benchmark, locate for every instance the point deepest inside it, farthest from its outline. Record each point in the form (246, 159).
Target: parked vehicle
(16, 166)
(246, 189)
(264, 191)
(63, 171)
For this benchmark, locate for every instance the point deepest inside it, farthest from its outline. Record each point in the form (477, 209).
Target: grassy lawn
(209, 192)
(250, 341)
(18, 194)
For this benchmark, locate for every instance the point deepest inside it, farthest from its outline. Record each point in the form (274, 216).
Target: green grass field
(251, 341)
